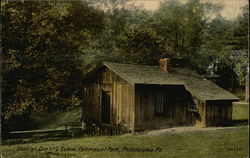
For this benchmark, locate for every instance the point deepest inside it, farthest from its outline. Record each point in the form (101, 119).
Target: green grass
(206, 144)
(56, 120)
(240, 111)
(228, 143)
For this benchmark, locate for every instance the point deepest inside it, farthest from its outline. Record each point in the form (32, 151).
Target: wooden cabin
(140, 97)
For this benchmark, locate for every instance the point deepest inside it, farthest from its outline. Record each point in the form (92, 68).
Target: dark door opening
(105, 107)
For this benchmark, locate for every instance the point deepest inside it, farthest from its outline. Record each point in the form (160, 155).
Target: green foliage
(42, 45)
(240, 47)
(227, 77)
(229, 40)
(182, 26)
(117, 16)
(141, 46)
(240, 32)
(241, 63)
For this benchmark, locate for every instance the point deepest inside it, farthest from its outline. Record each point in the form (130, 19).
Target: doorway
(105, 107)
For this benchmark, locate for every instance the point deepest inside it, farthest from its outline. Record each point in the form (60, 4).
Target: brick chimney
(165, 64)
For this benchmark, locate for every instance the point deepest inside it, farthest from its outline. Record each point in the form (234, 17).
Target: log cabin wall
(138, 106)
(121, 94)
(218, 113)
(175, 110)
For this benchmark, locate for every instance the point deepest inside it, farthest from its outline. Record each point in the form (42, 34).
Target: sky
(231, 9)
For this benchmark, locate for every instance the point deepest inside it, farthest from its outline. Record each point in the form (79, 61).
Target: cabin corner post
(205, 124)
(133, 107)
(230, 113)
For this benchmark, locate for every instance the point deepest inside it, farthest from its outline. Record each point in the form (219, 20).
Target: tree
(227, 40)
(42, 52)
(118, 15)
(182, 26)
(241, 34)
(141, 46)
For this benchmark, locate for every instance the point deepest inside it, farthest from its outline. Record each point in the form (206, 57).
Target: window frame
(159, 103)
(193, 105)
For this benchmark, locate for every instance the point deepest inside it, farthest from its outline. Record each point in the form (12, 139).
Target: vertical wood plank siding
(133, 106)
(218, 113)
(175, 112)
(121, 97)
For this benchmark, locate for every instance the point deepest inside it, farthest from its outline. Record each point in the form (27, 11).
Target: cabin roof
(196, 85)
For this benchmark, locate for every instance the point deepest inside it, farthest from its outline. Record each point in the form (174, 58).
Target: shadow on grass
(35, 139)
(39, 138)
(240, 122)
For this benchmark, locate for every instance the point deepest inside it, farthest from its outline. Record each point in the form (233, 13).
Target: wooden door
(105, 107)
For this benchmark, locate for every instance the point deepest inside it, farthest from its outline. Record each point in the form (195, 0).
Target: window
(192, 105)
(159, 101)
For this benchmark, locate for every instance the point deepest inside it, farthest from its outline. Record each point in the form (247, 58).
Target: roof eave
(119, 74)
(233, 100)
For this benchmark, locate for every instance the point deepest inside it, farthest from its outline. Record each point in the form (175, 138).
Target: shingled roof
(197, 86)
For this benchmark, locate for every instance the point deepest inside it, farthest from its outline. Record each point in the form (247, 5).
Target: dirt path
(184, 129)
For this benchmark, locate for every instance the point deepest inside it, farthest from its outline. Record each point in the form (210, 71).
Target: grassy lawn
(57, 119)
(240, 111)
(213, 144)
(205, 144)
